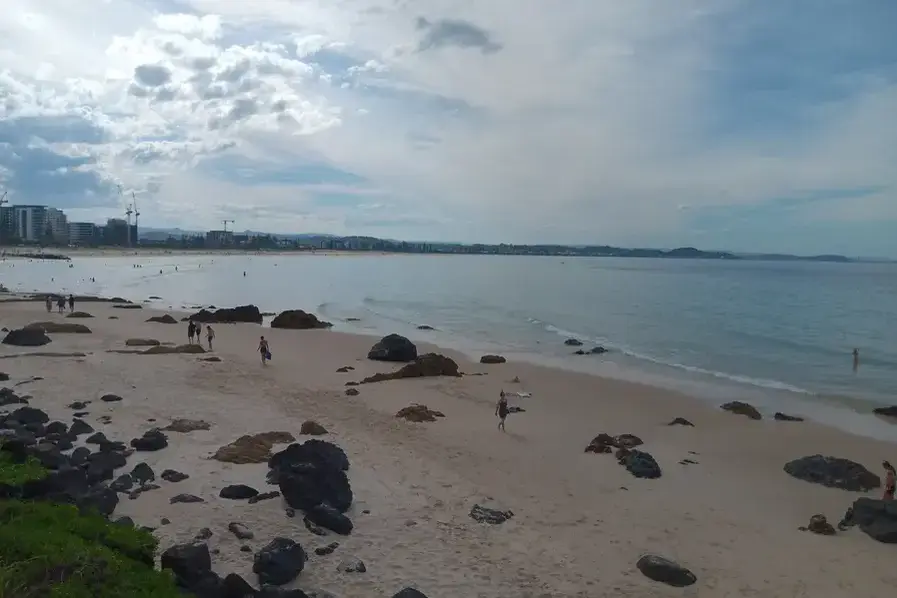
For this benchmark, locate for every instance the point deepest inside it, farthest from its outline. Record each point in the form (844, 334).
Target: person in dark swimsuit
(191, 331)
(501, 410)
(890, 481)
(71, 303)
(264, 350)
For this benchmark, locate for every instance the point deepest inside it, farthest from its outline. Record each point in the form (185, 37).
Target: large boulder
(169, 350)
(430, 364)
(279, 562)
(26, 337)
(188, 562)
(890, 411)
(492, 359)
(833, 472)
(243, 313)
(59, 327)
(296, 319)
(877, 518)
(163, 319)
(393, 348)
(311, 474)
(665, 571)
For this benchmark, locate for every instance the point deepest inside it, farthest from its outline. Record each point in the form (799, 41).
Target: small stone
(164, 521)
(143, 473)
(352, 392)
(291, 512)
(240, 531)
(264, 496)
(352, 566)
(680, 421)
(312, 428)
(110, 398)
(665, 571)
(325, 550)
(245, 548)
(203, 534)
(170, 475)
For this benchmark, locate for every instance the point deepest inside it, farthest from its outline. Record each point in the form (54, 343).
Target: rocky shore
(353, 466)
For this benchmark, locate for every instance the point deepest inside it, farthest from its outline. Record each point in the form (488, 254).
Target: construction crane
(136, 216)
(225, 224)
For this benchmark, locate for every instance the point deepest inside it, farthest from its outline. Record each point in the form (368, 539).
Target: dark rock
(153, 440)
(784, 417)
(79, 314)
(312, 428)
(314, 451)
(352, 565)
(4, 377)
(238, 492)
(665, 571)
(170, 475)
(165, 319)
(605, 443)
(185, 498)
(110, 398)
(264, 496)
(345, 369)
(306, 484)
(572, 342)
(143, 473)
(240, 531)
(740, 408)
(203, 534)
(235, 586)
(58, 327)
(98, 438)
(189, 563)
(330, 518)
(393, 348)
(833, 472)
(125, 521)
(79, 456)
(820, 525)
(419, 414)
(680, 421)
(49, 456)
(599, 350)
(890, 411)
(122, 483)
(242, 313)
(313, 527)
(78, 405)
(430, 364)
(493, 516)
(352, 392)
(56, 428)
(279, 562)
(639, 463)
(876, 518)
(26, 337)
(28, 415)
(296, 319)
(81, 413)
(164, 521)
(103, 500)
(245, 548)
(409, 593)
(325, 550)
(425, 327)
(185, 426)
(8, 397)
(79, 427)
(492, 359)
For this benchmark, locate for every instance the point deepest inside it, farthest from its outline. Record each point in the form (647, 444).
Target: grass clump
(16, 474)
(50, 550)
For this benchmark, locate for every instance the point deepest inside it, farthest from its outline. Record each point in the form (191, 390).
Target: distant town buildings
(47, 226)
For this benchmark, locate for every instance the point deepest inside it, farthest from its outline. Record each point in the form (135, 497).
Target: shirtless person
(890, 481)
(501, 410)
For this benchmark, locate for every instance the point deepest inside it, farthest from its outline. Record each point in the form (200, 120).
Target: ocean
(777, 334)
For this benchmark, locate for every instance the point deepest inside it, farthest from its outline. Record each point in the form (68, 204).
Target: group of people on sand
(60, 303)
(194, 332)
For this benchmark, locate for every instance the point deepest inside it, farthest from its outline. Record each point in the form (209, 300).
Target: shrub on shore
(49, 550)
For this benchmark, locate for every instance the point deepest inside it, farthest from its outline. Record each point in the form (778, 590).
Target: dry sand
(581, 521)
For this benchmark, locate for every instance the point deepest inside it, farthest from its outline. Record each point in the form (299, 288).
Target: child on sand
(264, 351)
(890, 481)
(210, 336)
(501, 410)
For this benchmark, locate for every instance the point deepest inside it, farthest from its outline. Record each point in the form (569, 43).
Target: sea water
(779, 334)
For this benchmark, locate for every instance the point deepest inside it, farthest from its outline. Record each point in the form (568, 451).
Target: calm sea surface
(778, 334)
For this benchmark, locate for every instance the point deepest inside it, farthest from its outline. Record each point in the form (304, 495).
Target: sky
(748, 125)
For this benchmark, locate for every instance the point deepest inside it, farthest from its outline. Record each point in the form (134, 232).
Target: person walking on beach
(210, 336)
(60, 303)
(501, 410)
(71, 303)
(264, 351)
(890, 481)
(49, 304)
(191, 331)
(856, 359)
(198, 332)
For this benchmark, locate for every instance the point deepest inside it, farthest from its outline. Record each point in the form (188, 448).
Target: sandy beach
(580, 522)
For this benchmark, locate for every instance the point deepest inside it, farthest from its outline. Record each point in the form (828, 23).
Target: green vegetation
(54, 551)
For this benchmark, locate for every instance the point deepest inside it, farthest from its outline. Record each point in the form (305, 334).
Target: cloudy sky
(738, 124)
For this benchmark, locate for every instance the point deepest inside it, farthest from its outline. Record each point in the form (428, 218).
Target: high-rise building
(58, 225)
(30, 224)
(7, 224)
(84, 233)
(115, 233)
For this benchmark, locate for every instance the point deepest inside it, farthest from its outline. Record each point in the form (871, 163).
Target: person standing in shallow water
(856, 359)
(501, 410)
(71, 303)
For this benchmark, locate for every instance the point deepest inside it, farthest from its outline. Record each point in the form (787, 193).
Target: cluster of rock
(419, 414)
(35, 334)
(296, 319)
(429, 364)
(639, 463)
(240, 314)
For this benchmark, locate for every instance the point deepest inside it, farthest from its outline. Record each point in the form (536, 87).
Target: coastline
(731, 517)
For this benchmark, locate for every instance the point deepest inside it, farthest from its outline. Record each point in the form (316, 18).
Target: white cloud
(508, 118)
